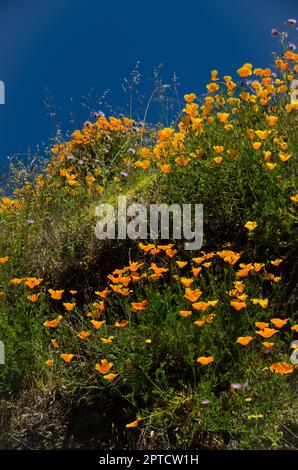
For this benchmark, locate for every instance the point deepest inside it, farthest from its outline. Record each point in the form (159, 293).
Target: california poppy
(139, 306)
(237, 305)
(33, 282)
(204, 361)
(53, 323)
(107, 340)
(56, 294)
(98, 324)
(67, 357)
(278, 322)
(69, 306)
(282, 368)
(55, 343)
(193, 295)
(133, 424)
(267, 332)
(83, 335)
(250, 225)
(110, 376)
(185, 313)
(104, 366)
(244, 340)
(121, 324)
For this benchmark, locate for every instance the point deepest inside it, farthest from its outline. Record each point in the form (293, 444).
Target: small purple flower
(205, 402)
(30, 221)
(236, 386)
(292, 46)
(81, 162)
(239, 386)
(274, 32)
(268, 350)
(292, 22)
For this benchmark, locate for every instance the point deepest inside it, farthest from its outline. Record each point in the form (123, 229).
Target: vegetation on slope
(179, 345)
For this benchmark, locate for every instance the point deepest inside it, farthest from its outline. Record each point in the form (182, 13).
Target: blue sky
(70, 46)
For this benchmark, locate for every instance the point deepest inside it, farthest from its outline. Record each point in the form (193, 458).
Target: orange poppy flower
(257, 145)
(67, 357)
(145, 164)
(181, 264)
(187, 282)
(139, 306)
(73, 292)
(245, 70)
(102, 293)
(218, 148)
(278, 322)
(200, 323)
(237, 305)
(204, 361)
(16, 281)
(133, 267)
(199, 259)
(189, 98)
(268, 345)
(276, 262)
(295, 328)
(33, 297)
(272, 120)
(104, 366)
(53, 323)
(98, 324)
(185, 313)
(261, 325)
(257, 267)
(271, 166)
(49, 362)
(200, 306)
(229, 256)
(212, 303)
(4, 259)
(69, 306)
(262, 302)
(244, 340)
(134, 424)
(282, 368)
(267, 332)
(262, 134)
(196, 271)
(55, 343)
(212, 87)
(171, 253)
(107, 340)
(56, 294)
(83, 335)
(110, 376)
(193, 295)
(146, 248)
(250, 225)
(121, 324)
(33, 282)
(157, 270)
